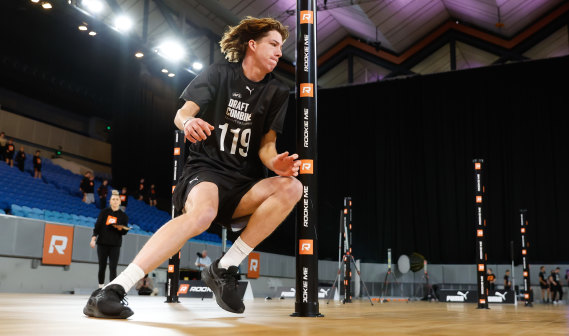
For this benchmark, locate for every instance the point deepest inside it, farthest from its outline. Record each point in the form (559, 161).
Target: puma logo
(249, 89)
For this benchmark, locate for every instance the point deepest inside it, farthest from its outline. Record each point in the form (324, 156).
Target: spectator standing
(559, 287)
(2, 146)
(544, 284)
(491, 280)
(152, 197)
(203, 260)
(37, 165)
(124, 198)
(140, 193)
(87, 187)
(10, 150)
(111, 225)
(20, 158)
(102, 192)
(507, 281)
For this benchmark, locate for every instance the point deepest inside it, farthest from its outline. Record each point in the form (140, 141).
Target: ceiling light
(172, 50)
(93, 6)
(171, 74)
(139, 55)
(92, 33)
(82, 27)
(165, 70)
(35, 1)
(123, 23)
(197, 65)
(46, 5)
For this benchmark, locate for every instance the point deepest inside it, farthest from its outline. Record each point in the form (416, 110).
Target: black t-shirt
(87, 186)
(542, 276)
(20, 157)
(507, 284)
(241, 112)
(124, 199)
(106, 233)
(491, 277)
(37, 162)
(10, 149)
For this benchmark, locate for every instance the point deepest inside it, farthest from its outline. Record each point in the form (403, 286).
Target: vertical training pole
(347, 249)
(480, 221)
(173, 275)
(307, 216)
(525, 247)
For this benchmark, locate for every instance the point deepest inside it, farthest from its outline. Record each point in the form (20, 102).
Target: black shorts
(231, 188)
(543, 286)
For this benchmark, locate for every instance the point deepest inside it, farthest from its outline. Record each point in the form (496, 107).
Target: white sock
(101, 285)
(235, 255)
(129, 277)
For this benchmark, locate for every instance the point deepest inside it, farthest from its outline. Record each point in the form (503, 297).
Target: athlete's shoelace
(229, 278)
(121, 295)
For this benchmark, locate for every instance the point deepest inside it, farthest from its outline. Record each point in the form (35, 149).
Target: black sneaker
(108, 302)
(223, 283)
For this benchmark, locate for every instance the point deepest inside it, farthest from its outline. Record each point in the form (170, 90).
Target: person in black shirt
(37, 165)
(102, 192)
(545, 292)
(124, 198)
(10, 150)
(111, 225)
(507, 281)
(152, 197)
(232, 113)
(140, 193)
(2, 146)
(87, 187)
(491, 281)
(21, 158)
(558, 288)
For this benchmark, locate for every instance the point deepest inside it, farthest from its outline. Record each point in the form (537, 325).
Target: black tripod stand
(389, 273)
(350, 258)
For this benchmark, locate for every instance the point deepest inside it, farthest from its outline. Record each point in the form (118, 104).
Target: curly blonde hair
(235, 39)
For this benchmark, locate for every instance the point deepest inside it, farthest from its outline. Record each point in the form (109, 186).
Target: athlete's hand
(286, 165)
(197, 130)
(92, 243)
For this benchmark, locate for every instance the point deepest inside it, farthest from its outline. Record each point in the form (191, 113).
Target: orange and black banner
(480, 224)
(306, 215)
(527, 292)
(173, 275)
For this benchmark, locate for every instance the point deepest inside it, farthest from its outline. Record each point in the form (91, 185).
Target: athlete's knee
(292, 188)
(201, 217)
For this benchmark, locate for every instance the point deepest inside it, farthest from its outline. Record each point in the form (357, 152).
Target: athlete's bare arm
(282, 164)
(195, 129)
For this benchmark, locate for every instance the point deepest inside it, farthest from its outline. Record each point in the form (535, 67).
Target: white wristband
(185, 121)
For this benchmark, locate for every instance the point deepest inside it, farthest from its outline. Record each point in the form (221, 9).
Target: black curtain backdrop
(403, 150)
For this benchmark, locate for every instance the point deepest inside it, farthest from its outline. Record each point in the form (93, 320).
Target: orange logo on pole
(478, 199)
(170, 268)
(479, 233)
(254, 265)
(173, 187)
(481, 267)
(306, 16)
(477, 166)
(177, 151)
(57, 244)
(306, 167)
(305, 246)
(306, 90)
